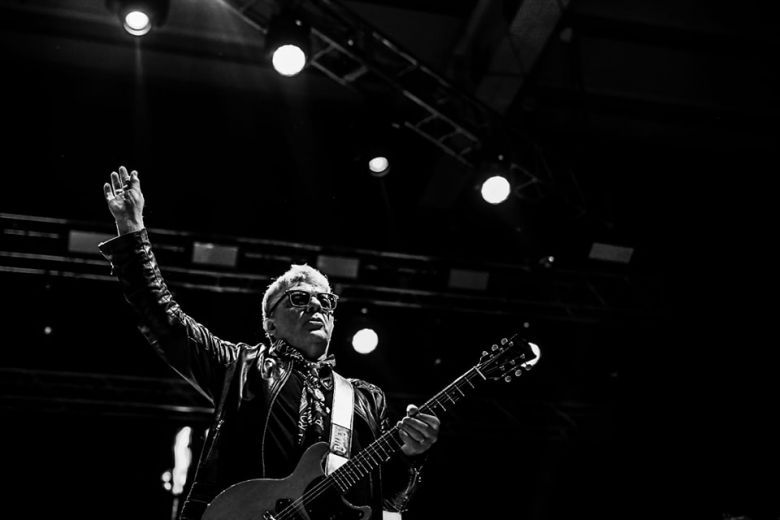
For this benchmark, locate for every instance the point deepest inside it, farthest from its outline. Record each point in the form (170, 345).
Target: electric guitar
(309, 494)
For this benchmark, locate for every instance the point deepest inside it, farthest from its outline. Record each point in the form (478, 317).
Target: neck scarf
(317, 378)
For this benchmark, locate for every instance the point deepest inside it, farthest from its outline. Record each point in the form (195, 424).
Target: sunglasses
(300, 298)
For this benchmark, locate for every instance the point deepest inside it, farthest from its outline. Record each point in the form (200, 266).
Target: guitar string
(322, 486)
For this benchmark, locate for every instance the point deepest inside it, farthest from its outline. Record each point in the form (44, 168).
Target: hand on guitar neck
(418, 430)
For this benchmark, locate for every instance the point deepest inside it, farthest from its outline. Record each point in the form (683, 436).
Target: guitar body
(264, 499)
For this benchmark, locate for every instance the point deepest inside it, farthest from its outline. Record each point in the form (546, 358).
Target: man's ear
(269, 325)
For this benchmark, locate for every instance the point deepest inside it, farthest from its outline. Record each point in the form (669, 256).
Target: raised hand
(125, 200)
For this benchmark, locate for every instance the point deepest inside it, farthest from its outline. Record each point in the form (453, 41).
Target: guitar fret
(376, 462)
(339, 481)
(385, 455)
(360, 465)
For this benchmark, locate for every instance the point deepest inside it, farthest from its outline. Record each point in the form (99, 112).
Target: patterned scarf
(317, 378)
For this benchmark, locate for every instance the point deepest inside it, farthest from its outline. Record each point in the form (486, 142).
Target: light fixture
(365, 341)
(379, 166)
(496, 189)
(138, 17)
(381, 142)
(495, 172)
(287, 43)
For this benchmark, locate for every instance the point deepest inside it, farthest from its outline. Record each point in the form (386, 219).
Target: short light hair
(295, 274)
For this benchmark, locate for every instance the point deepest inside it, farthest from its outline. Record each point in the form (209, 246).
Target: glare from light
(137, 23)
(496, 189)
(183, 457)
(288, 60)
(166, 477)
(365, 341)
(379, 164)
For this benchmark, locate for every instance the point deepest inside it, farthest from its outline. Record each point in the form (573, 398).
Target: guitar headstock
(509, 358)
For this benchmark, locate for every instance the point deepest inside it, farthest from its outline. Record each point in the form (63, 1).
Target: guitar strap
(342, 410)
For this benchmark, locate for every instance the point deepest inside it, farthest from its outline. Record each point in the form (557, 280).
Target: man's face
(306, 328)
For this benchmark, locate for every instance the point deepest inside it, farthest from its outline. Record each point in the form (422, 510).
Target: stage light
(365, 341)
(288, 60)
(288, 43)
(137, 23)
(496, 189)
(379, 166)
(138, 17)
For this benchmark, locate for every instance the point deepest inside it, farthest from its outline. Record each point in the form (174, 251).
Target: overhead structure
(243, 265)
(351, 52)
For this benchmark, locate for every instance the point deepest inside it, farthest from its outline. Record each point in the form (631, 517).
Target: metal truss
(40, 246)
(348, 50)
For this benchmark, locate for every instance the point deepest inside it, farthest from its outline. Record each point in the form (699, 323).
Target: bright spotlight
(288, 60)
(287, 41)
(379, 166)
(137, 23)
(496, 189)
(138, 17)
(365, 341)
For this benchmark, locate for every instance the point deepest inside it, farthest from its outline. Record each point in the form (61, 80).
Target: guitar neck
(382, 449)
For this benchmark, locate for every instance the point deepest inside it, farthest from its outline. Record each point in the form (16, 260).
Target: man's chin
(319, 335)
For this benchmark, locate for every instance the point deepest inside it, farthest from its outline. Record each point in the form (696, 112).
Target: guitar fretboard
(390, 442)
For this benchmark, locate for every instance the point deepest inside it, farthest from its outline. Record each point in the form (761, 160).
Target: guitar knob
(494, 347)
(518, 373)
(503, 341)
(484, 353)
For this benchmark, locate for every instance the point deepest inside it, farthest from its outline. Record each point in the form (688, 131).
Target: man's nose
(314, 303)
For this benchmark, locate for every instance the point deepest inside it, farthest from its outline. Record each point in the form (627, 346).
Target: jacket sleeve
(188, 347)
(401, 475)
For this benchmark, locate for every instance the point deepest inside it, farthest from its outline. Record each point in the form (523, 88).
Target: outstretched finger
(116, 182)
(108, 192)
(133, 181)
(124, 177)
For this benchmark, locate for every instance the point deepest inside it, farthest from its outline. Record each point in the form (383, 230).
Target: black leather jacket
(227, 373)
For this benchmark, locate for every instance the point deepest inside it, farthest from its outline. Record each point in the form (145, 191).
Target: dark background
(650, 125)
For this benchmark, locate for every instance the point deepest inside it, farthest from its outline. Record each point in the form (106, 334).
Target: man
(271, 402)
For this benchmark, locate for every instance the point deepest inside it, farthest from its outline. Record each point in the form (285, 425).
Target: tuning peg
(484, 353)
(494, 347)
(503, 341)
(512, 362)
(511, 343)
